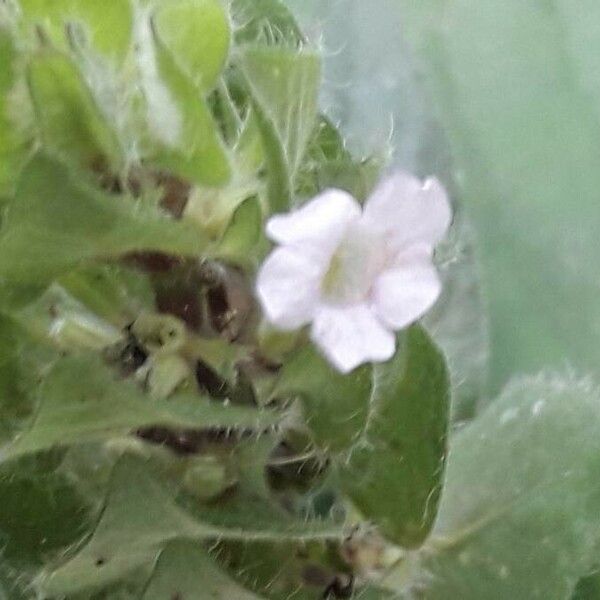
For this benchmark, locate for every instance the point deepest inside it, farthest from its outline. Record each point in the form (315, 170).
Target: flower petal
(288, 287)
(323, 219)
(403, 294)
(411, 211)
(351, 335)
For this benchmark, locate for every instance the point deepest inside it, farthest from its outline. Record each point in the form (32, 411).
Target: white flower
(357, 274)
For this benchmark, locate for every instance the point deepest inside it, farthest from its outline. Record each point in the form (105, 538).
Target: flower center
(358, 260)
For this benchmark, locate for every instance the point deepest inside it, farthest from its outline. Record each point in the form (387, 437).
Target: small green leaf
(284, 85)
(395, 471)
(272, 570)
(336, 406)
(184, 570)
(107, 24)
(519, 515)
(80, 401)
(197, 34)
(265, 22)
(57, 221)
(70, 121)
(111, 292)
(327, 164)
(240, 242)
(182, 136)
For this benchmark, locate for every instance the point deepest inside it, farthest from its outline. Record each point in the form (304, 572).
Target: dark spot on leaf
(100, 561)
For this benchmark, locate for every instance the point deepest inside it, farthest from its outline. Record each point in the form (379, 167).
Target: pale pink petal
(409, 211)
(351, 335)
(288, 287)
(322, 220)
(404, 293)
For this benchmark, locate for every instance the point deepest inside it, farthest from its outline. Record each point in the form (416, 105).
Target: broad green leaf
(107, 24)
(197, 34)
(240, 243)
(284, 86)
(519, 514)
(56, 221)
(11, 146)
(182, 135)
(185, 570)
(81, 400)
(70, 121)
(528, 65)
(336, 406)
(265, 21)
(139, 519)
(395, 471)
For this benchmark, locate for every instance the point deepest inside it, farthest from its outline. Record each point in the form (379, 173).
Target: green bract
(159, 441)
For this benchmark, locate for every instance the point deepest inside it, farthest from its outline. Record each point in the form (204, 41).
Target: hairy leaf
(519, 515)
(284, 85)
(81, 400)
(185, 570)
(57, 221)
(140, 518)
(395, 470)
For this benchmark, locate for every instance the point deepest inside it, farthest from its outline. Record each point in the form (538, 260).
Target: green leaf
(111, 292)
(197, 34)
(328, 164)
(336, 406)
(81, 400)
(139, 519)
(70, 121)
(395, 471)
(519, 515)
(184, 570)
(56, 221)
(182, 136)
(11, 144)
(107, 25)
(270, 570)
(528, 64)
(265, 21)
(284, 85)
(240, 243)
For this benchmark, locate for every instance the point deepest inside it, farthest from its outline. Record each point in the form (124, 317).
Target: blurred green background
(501, 99)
